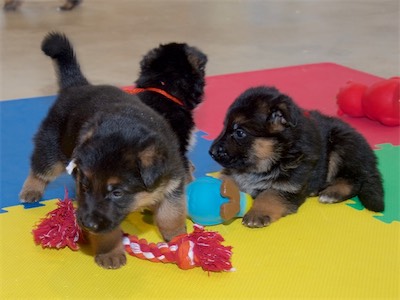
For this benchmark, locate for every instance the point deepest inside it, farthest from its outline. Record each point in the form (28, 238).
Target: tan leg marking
(333, 166)
(33, 189)
(268, 207)
(338, 191)
(170, 214)
(171, 219)
(35, 184)
(108, 248)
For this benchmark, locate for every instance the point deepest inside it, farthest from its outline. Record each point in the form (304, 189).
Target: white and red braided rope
(198, 249)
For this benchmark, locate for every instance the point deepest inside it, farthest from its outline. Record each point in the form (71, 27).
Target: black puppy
(281, 154)
(122, 153)
(171, 81)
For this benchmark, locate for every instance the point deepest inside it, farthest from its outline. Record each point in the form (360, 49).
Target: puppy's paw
(254, 219)
(33, 189)
(327, 199)
(329, 195)
(30, 196)
(111, 260)
(336, 192)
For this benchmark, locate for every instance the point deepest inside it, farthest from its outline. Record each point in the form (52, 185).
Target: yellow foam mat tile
(323, 251)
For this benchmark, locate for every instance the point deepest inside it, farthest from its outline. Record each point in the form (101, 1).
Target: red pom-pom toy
(59, 228)
(379, 102)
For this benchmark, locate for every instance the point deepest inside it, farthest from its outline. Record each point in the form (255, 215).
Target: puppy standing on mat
(171, 81)
(281, 154)
(123, 154)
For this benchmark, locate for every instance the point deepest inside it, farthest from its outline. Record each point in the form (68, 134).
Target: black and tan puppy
(171, 81)
(281, 154)
(122, 153)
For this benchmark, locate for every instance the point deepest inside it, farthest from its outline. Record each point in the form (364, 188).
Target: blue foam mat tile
(19, 121)
(198, 156)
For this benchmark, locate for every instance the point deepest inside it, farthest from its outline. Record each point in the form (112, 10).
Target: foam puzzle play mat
(323, 251)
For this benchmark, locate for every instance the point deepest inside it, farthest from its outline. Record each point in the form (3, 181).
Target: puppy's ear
(283, 115)
(196, 58)
(151, 165)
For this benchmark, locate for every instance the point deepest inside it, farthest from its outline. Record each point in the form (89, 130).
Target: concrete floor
(111, 37)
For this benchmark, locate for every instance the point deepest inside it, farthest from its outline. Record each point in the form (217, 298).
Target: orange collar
(137, 90)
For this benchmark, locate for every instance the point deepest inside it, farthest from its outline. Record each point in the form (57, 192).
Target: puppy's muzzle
(94, 223)
(218, 153)
(90, 226)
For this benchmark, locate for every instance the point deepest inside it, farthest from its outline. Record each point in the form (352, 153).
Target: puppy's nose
(213, 153)
(216, 152)
(91, 226)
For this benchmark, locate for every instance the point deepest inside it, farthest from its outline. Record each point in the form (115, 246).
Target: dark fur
(126, 157)
(14, 4)
(178, 69)
(281, 154)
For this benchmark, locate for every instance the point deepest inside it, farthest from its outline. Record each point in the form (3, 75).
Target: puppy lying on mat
(280, 154)
(123, 155)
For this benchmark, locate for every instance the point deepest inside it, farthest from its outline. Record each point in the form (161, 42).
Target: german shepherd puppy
(123, 154)
(171, 81)
(280, 154)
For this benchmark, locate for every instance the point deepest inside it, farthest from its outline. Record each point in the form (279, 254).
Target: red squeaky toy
(379, 102)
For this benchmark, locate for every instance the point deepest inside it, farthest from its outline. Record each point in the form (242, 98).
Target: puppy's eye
(238, 133)
(117, 193)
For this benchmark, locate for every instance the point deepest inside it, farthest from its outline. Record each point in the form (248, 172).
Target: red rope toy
(59, 229)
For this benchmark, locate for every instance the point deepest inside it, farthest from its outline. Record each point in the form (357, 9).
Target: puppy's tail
(371, 193)
(58, 47)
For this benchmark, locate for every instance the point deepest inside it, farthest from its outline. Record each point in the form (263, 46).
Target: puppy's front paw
(110, 252)
(111, 260)
(33, 189)
(30, 196)
(254, 219)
